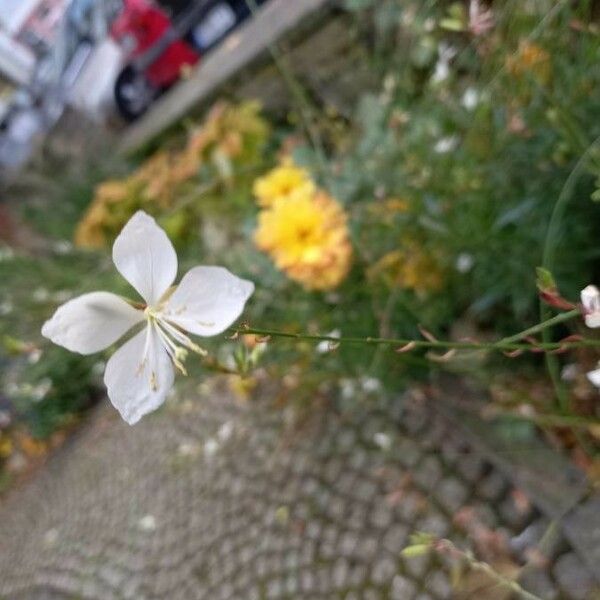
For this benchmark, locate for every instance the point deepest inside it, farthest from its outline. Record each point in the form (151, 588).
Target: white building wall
(14, 13)
(16, 61)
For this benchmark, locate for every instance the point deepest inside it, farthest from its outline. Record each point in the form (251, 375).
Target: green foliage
(480, 152)
(53, 390)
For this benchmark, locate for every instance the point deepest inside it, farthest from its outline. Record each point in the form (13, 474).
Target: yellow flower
(285, 181)
(530, 58)
(6, 446)
(410, 268)
(307, 238)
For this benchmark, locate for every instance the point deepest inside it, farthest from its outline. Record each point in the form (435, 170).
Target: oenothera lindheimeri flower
(590, 299)
(140, 373)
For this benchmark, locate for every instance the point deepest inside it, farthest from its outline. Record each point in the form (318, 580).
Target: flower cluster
(302, 228)
(230, 137)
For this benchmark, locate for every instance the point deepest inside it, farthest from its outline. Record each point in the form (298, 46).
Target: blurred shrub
(48, 394)
(217, 156)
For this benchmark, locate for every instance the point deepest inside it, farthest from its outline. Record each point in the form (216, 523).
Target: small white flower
(40, 391)
(210, 447)
(446, 144)
(590, 298)
(383, 440)
(326, 346)
(63, 247)
(464, 262)
(147, 523)
(33, 357)
(225, 431)
(569, 372)
(41, 295)
(470, 98)
(442, 68)
(370, 384)
(140, 373)
(594, 376)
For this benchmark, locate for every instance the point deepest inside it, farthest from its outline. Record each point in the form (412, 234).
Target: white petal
(91, 322)
(590, 298)
(208, 300)
(592, 320)
(144, 255)
(594, 377)
(139, 375)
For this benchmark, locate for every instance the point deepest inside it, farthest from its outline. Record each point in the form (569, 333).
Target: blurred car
(158, 47)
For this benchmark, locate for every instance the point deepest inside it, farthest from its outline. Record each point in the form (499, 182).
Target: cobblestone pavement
(211, 500)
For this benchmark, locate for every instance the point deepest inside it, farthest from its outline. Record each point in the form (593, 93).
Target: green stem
(508, 344)
(544, 325)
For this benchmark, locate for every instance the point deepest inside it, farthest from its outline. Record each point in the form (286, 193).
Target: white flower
(225, 431)
(442, 68)
(140, 373)
(590, 298)
(446, 144)
(147, 523)
(470, 98)
(464, 262)
(383, 440)
(41, 295)
(370, 384)
(594, 376)
(325, 346)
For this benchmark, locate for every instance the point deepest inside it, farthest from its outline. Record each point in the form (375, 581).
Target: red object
(144, 23)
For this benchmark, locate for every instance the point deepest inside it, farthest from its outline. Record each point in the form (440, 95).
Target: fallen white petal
(208, 300)
(91, 322)
(139, 376)
(144, 255)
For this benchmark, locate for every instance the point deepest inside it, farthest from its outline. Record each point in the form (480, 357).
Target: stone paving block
(428, 473)
(451, 494)
(471, 466)
(396, 538)
(403, 588)
(573, 577)
(492, 486)
(538, 582)
(383, 570)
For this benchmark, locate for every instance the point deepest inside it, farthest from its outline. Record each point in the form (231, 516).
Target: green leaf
(545, 280)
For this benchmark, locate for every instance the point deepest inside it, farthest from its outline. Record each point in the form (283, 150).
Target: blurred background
(379, 168)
